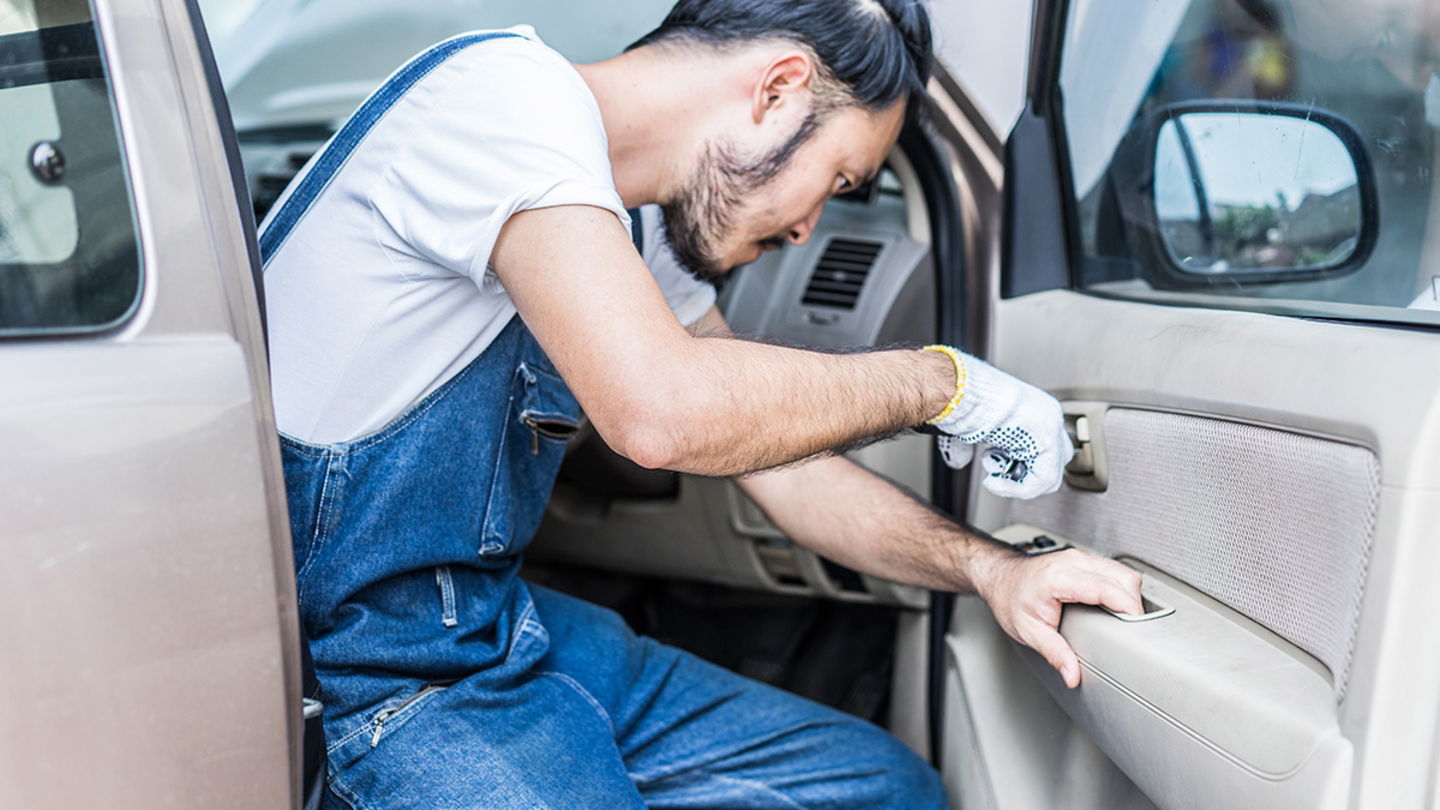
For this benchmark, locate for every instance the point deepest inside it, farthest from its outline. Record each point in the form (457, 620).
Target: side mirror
(1228, 192)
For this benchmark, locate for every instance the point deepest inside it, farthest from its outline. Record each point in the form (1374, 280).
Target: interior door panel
(1275, 524)
(1273, 478)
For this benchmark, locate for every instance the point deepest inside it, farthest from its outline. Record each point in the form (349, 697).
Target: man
(423, 419)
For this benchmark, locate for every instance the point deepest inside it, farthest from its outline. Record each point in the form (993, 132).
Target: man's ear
(784, 78)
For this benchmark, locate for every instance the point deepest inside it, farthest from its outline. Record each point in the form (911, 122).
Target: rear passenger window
(69, 257)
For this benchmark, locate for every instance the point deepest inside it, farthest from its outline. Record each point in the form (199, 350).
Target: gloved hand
(1023, 423)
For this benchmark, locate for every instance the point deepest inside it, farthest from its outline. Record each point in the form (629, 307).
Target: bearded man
(454, 277)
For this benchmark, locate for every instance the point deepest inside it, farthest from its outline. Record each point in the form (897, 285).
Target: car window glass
(1231, 121)
(69, 260)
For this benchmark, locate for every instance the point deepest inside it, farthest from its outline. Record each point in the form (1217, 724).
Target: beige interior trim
(1372, 386)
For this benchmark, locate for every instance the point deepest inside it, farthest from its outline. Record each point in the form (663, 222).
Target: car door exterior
(150, 657)
(1260, 436)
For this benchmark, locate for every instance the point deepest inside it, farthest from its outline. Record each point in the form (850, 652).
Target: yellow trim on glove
(961, 376)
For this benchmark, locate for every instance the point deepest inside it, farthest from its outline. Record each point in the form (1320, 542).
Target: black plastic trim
(637, 230)
(71, 52)
(232, 157)
(947, 243)
(313, 762)
(1039, 241)
(1035, 251)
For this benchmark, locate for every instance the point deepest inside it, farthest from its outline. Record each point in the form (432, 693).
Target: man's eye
(844, 183)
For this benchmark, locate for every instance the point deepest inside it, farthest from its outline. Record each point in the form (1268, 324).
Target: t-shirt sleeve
(512, 128)
(689, 297)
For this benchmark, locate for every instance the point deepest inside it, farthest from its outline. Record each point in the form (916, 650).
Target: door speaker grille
(841, 273)
(1274, 524)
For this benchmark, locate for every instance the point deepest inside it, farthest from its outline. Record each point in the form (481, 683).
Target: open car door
(1218, 252)
(150, 646)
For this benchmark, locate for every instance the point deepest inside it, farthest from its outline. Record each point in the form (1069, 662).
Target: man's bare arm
(848, 514)
(665, 398)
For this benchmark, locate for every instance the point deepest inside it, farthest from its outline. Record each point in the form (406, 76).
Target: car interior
(1248, 492)
(1245, 355)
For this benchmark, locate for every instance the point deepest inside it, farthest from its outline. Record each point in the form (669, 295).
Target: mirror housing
(1220, 193)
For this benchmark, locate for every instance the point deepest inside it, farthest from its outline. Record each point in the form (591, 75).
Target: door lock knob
(47, 162)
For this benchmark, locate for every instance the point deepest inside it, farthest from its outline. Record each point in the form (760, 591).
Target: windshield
(1233, 119)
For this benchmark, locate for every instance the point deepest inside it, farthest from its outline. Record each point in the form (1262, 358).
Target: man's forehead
(864, 138)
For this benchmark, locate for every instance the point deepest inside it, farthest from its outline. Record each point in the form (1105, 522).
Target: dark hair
(878, 50)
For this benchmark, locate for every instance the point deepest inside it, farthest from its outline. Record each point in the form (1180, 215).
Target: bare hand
(1026, 595)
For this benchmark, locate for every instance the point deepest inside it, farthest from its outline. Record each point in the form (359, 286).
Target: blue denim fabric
(451, 683)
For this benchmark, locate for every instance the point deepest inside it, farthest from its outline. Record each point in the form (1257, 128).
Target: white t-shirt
(382, 292)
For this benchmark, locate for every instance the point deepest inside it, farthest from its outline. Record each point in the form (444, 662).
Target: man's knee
(893, 775)
(906, 774)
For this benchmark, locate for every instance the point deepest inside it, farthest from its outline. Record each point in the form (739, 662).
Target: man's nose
(801, 231)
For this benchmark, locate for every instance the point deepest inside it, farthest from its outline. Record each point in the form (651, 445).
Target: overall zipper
(384, 715)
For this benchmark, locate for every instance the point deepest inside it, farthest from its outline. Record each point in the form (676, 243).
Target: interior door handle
(1149, 608)
(1153, 610)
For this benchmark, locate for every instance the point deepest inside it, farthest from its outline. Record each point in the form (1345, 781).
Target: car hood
(289, 63)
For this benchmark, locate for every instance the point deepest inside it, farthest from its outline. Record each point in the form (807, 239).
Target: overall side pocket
(542, 417)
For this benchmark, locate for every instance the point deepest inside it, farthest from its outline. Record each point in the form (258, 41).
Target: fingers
(1044, 474)
(1121, 599)
(1030, 607)
(1101, 589)
(1035, 484)
(1056, 650)
(1064, 447)
(1118, 585)
(1021, 490)
(956, 453)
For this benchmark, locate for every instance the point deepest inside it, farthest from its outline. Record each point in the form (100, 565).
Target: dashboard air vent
(841, 273)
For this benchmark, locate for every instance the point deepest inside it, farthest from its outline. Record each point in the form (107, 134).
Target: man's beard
(702, 214)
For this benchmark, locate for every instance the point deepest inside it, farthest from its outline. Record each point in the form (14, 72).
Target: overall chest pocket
(542, 417)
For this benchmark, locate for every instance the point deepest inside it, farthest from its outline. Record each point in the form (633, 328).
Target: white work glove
(1022, 424)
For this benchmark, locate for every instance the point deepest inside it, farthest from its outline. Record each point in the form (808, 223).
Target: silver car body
(150, 651)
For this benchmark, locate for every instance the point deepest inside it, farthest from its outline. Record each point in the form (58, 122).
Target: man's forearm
(852, 516)
(664, 398)
(737, 406)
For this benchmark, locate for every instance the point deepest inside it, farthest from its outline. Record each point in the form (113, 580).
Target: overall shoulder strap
(637, 230)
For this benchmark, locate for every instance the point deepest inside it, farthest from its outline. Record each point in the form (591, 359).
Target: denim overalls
(449, 682)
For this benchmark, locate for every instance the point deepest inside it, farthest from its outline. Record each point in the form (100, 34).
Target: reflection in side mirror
(1254, 192)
